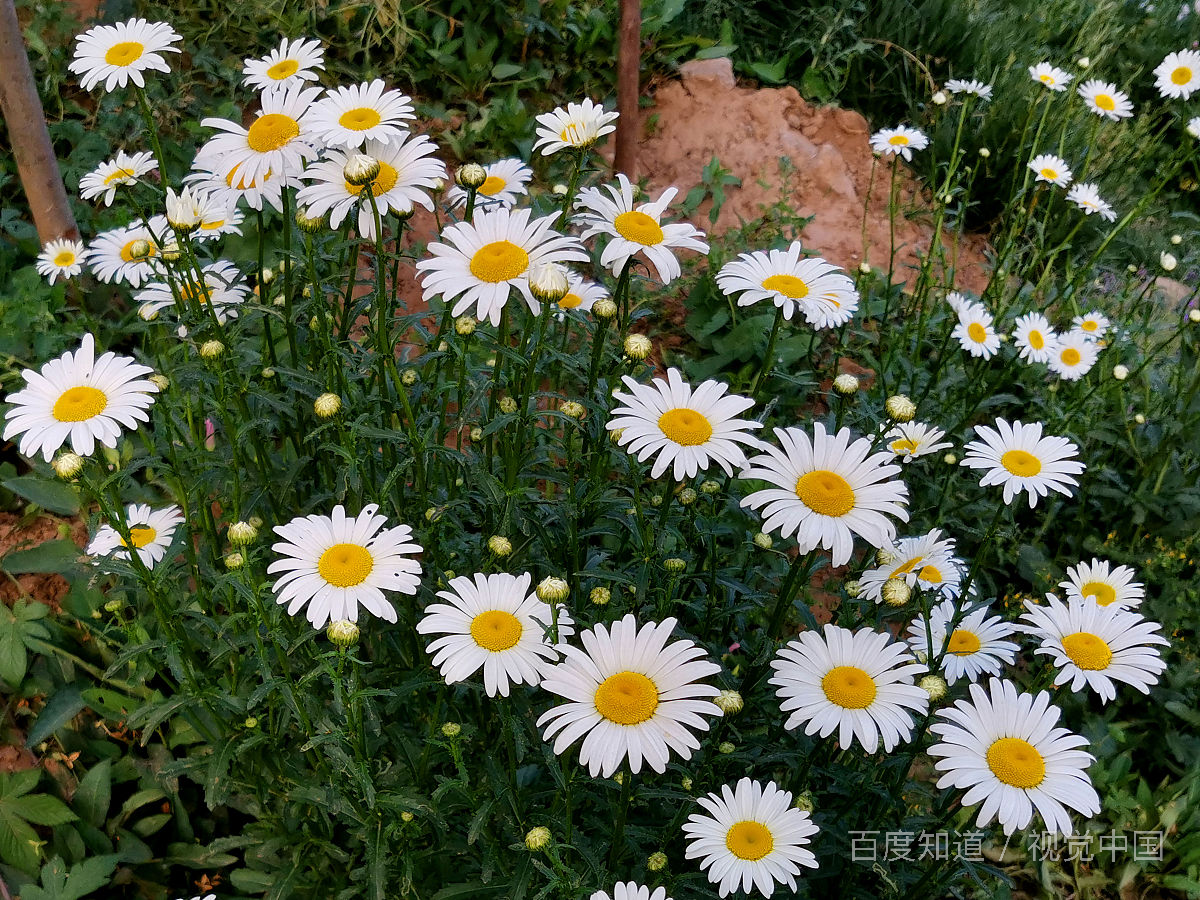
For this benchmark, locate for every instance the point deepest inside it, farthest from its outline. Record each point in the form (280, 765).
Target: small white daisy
(901, 141)
(631, 696)
(1178, 75)
(975, 331)
(81, 399)
(219, 215)
(1034, 339)
(973, 87)
(333, 564)
(1092, 323)
(827, 489)
(506, 181)
(208, 174)
(477, 264)
(350, 116)
(577, 127)
(118, 54)
(1193, 127)
(683, 428)
(1051, 76)
(635, 230)
(1105, 100)
(751, 838)
(278, 142)
(293, 62)
(1074, 355)
(926, 560)
(1093, 645)
(1020, 458)
(1051, 169)
(111, 253)
(1004, 749)
(910, 440)
(123, 169)
(1099, 581)
(810, 285)
(1086, 196)
(224, 290)
(958, 302)
(60, 259)
(150, 529)
(495, 623)
(581, 294)
(857, 683)
(974, 647)
(631, 890)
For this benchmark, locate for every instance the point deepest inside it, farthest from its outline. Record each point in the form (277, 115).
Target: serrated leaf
(18, 842)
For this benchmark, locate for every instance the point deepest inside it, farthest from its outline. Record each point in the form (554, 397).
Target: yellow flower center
(908, 566)
(570, 301)
(1017, 763)
(639, 228)
(121, 175)
(78, 404)
(1070, 356)
(904, 445)
(573, 133)
(496, 630)
(285, 68)
(384, 181)
(898, 140)
(213, 225)
(849, 687)
(977, 332)
(499, 261)
(963, 643)
(749, 840)
(492, 185)
(345, 565)
(243, 184)
(1089, 325)
(788, 285)
(627, 698)
(126, 52)
(685, 427)
(825, 492)
(1087, 651)
(64, 258)
(1103, 592)
(360, 118)
(1182, 75)
(931, 574)
(1036, 341)
(272, 131)
(193, 291)
(1021, 463)
(1105, 102)
(127, 251)
(1046, 79)
(141, 535)
(1050, 174)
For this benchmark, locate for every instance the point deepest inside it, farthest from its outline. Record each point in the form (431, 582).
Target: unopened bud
(140, 249)
(162, 382)
(573, 408)
(470, 177)
(327, 405)
(725, 747)
(250, 722)
(537, 838)
(67, 465)
(896, 592)
(729, 702)
(465, 325)
(763, 541)
(508, 405)
(361, 169)
(1177, 239)
(342, 633)
(708, 486)
(939, 98)
(686, 497)
(600, 595)
(559, 190)
(234, 561)
(985, 152)
(406, 816)
(499, 545)
(307, 223)
(638, 346)
(950, 459)
(241, 533)
(171, 251)
(211, 349)
(1167, 261)
(1140, 419)
(604, 309)
(1120, 372)
(476, 434)
(934, 686)
(1084, 62)
(548, 283)
(685, 783)
(675, 565)
(1194, 315)
(853, 589)
(408, 377)
(552, 589)
(804, 802)
(656, 862)
(845, 384)
(900, 408)
(451, 729)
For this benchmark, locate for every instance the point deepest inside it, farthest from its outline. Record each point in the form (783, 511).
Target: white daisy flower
(974, 647)
(407, 170)
(293, 62)
(123, 169)
(184, 209)
(334, 564)
(811, 285)
(958, 302)
(581, 294)
(506, 181)
(479, 263)
(1004, 749)
(1092, 323)
(1178, 75)
(1033, 337)
(111, 253)
(1086, 196)
(118, 54)
(857, 683)
(635, 230)
(577, 127)
(224, 290)
(81, 399)
(900, 140)
(277, 144)
(60, 259)
(827, 489)
(926, 560)
(631, 890)
(219, 215)
(495, 623)
(634, 697)
(1093, 645)
(973, 87)
(150, 529)
(350, 116)
(751, 838)
(1105, 100)
(910, 440)
(1074, 355)
(1051, 76)
(1107, 586)
(1193, 126)
(684, 428)
(208, 174)
(975, 331)
(1051, 169)
(1020, 458)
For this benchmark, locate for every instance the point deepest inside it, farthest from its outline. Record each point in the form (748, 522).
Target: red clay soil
(48, 589)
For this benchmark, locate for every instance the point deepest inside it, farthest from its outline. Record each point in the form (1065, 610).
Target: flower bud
(508, 405)
(465, 325)
(234, 561)
(307, 223)
(470, 177)
(432, 514)
(686, 497)
(864, 268)
(1167, 261)
(900, 408)
(1140, 419)
(1177, 239)
(573, 408)
(985, 152)
(934, 686)
(559, 190)
(950, 459)
(600, 595)
(67, 465)
(845, 384)
(1120, 372)
(140, 249)
(499, 545)
(674, 565)
(476, 434)
(250, 722)
(268, 372)
(638, 346)
(685, 783)
(656, 861)
(327, 405)
(241, 533)
(183, 210)
(552, 589)
(725, 747)
(1084, 62)
(548, 283)
(171, 251)
(408, 377)
(537, 838)
(939, 98)
(342, 633)
(604, 309)
(729, 702)
(211, 349)
(896, 592)
(853, 589)
(406, 816)
(1194, 315)
(884, 557)
(710, 487)
(361, 169)
(804, 802)
(763, 541)
(451, 729)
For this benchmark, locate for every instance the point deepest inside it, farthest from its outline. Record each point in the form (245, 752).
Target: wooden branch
(26, 121)
(629, 50)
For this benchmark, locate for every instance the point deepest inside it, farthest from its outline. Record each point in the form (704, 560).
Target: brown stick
(26, 121)
(629, 50)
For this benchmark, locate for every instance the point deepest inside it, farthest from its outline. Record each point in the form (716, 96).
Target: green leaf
(501, 71)
(58, 711)
(197, 856)
(51, 558)
(717, 51)
(13, 658)
(813, 86)
(18, 842)
(94, 794)
(110, 704)
(60, 884)
(251, 881)
(41, 809)
(52, 495)
(470, 889)
(772, 73)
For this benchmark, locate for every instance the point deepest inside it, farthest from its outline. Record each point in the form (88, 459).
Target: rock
(710, 74)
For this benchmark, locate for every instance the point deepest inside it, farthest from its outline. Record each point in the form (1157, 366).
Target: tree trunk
(629, 49)
(26, 122)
